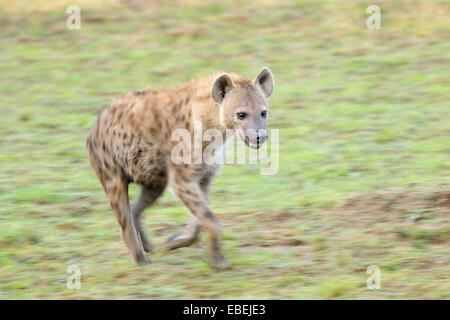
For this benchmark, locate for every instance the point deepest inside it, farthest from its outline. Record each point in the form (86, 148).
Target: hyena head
(243, 105)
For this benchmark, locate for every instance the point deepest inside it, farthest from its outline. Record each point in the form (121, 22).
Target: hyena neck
(208, 117)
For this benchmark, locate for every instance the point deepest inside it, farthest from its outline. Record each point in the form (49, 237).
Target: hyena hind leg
(117, 191)
(148, 196)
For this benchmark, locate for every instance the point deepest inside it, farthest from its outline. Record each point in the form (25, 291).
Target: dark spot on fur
(157, 125)
(139, 92)
(209, 215)
(132, 120)
(106, 164)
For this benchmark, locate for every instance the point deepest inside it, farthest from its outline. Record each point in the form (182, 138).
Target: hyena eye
(241, 115)
(264, 114)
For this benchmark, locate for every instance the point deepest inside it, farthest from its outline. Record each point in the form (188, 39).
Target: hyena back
(131, 142)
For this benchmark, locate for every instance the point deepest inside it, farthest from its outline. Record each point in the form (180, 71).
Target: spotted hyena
(131, 142)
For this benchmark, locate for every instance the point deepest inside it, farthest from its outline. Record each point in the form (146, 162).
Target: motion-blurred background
(364, 119)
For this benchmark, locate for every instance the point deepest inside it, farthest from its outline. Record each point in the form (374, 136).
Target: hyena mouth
(256, 145)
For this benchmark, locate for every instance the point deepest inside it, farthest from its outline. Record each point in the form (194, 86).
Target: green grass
(364, 141)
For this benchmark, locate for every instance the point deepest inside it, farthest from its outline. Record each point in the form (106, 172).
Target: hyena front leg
(205, 184)
(192, 196)
(184, 240)
(148, 196)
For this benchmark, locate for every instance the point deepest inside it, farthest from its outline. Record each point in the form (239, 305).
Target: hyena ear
(221, 86)
(264, 81)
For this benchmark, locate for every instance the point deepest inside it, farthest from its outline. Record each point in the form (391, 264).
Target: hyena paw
(141, 259)
(219, 262)
(148, 246)
(178, 241)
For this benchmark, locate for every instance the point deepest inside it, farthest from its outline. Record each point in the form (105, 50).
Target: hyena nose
(262, 136)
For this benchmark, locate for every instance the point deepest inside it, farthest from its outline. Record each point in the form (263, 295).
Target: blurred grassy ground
(364, 119)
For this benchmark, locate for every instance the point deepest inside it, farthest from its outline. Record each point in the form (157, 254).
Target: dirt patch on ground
(406, 217)
(397, 202)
